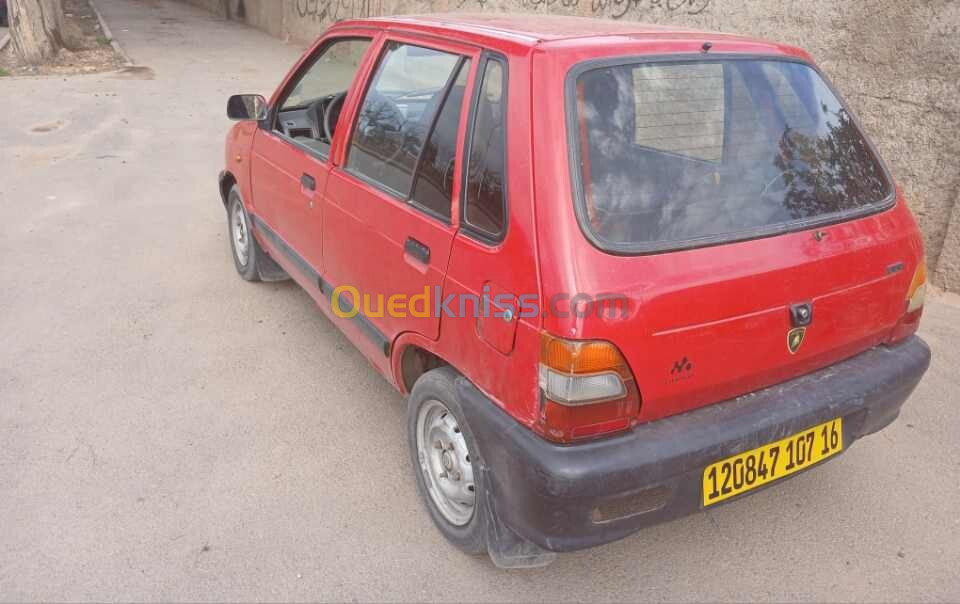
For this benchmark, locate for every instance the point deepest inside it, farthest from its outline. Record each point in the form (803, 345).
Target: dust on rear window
(686, 152)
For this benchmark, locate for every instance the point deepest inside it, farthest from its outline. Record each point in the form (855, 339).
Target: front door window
(312, 105)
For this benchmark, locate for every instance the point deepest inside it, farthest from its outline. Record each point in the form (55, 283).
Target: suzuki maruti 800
(622, 272)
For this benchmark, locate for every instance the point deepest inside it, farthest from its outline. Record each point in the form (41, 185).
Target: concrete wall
(896, 61)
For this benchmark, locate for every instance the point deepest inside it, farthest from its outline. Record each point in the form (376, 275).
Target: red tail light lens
(586, 390)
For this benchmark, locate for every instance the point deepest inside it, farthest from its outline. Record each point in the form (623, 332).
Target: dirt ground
(90, 50)
(169, 432)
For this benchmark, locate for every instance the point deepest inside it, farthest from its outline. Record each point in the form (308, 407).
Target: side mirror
(247, 107)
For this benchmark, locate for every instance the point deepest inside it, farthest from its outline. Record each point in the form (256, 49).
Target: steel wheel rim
(241, 234)
(445, 463)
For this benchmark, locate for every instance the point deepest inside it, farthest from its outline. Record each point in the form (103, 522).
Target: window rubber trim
(643, 249)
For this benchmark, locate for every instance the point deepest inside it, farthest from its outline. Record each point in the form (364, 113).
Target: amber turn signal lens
(581, 356)
(918, 288)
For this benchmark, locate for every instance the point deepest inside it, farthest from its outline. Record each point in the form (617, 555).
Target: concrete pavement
(170, 432)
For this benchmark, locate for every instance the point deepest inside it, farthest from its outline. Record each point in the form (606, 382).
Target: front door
(289, 163)
(389, 227)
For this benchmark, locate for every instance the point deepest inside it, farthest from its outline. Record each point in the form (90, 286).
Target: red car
(623, 272)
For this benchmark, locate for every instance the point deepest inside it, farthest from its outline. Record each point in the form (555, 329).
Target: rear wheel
(446, 461)
(246, 251)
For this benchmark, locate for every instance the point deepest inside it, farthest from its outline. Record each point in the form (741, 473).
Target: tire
(247, 254)
(433, 402)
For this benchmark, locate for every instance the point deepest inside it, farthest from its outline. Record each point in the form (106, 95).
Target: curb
(105, 30)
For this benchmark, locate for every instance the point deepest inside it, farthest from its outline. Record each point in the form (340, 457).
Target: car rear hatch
(723, 323)
(743, 230)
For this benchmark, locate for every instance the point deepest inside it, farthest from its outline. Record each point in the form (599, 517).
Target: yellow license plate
(738, 474)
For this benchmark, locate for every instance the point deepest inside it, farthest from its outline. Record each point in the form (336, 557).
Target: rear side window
(678, 154)
(397, 114)
(484, 196)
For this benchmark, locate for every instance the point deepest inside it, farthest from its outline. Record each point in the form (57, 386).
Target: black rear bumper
(564, 498)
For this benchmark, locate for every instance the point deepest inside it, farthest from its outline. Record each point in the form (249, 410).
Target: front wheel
(246, 251)
(446, 461)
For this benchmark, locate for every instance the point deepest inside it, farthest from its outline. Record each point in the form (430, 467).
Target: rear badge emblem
(795, 339)
(682, 370)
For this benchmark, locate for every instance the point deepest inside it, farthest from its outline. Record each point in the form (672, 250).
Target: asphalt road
(170, 432)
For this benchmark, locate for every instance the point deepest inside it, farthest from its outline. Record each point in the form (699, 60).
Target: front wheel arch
(227, 182)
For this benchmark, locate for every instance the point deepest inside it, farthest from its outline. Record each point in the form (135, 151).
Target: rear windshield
(679, 154)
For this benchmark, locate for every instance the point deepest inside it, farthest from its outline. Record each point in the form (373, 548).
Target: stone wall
(896, 61)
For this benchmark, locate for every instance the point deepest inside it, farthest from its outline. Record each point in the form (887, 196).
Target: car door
(390, 216)
(290, 158)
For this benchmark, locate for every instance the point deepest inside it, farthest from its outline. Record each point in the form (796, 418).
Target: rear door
(390, 221)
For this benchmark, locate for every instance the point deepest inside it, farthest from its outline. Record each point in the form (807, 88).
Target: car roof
(538, 29)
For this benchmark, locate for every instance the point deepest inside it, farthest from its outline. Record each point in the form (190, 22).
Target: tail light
(918, 288)
(586, 390)
(913, 308)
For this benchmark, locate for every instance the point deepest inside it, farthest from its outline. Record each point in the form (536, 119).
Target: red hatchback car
(623, 272)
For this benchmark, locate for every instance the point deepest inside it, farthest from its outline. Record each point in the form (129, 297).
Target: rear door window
(679, 154)
(433, 188)
(397, 114)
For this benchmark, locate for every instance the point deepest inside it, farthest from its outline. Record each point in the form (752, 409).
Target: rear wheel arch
(412, 361)
(413, 354)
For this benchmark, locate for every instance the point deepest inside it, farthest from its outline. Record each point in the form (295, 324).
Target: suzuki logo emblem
(795, 339)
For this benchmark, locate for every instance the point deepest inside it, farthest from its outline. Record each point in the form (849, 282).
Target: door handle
(417, 250)
(308, 182)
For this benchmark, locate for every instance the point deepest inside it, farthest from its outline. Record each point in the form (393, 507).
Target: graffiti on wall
(327, 11)
(335, 10)
(617, 9)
